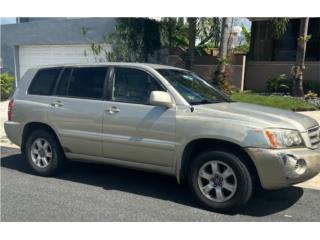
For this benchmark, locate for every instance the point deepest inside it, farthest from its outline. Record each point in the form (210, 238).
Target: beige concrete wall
(258, 72)
(207, 72)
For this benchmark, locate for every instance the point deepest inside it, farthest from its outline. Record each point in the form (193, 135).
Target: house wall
(258, 72)
(264, 47)
(57, 31)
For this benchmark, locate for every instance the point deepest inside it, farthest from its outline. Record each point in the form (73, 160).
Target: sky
(7, 20)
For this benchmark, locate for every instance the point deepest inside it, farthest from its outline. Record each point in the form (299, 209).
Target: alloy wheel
(217, 181)
(41, 152)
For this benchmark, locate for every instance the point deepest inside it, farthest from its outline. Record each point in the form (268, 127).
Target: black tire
(57, 161)
(244, 186)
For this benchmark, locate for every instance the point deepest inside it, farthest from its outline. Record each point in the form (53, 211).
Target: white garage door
(40, 55)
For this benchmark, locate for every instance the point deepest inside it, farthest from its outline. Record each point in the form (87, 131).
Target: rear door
(134, 130)
(77, 108)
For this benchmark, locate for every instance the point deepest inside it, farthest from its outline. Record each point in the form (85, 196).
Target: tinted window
(44, 81)
(132, 85)
(62, 89)
(86, 82)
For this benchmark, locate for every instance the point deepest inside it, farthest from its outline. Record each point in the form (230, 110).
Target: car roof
(120, 64)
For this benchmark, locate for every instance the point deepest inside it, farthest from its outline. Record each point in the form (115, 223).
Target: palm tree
(279, 27)
(223, 54)
(299, 67)
(192, 41)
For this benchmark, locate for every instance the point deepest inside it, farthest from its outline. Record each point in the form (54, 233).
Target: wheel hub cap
(217, 181)
(41, 152)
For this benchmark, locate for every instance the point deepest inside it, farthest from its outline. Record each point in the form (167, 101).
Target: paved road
(89, 192)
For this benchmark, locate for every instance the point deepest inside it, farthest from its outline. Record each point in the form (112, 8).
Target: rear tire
(44, 153)
(219, 180)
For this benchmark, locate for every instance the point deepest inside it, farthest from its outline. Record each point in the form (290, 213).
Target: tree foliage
(6, 85)
(279, 27)
(208, 31)
(141, 37)
(133, 39)
(174, 33)
(244, 47)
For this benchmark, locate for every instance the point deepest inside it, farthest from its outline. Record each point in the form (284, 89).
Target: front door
(134, 130)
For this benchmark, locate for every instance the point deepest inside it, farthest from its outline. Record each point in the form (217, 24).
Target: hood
(256, 115)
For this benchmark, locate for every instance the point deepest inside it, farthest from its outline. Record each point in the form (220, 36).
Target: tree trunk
(299, 67)
(223, 49)
(192, 41)
(223, 54)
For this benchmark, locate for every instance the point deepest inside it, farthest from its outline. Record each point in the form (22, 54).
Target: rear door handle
(57, 104)
(113, 110)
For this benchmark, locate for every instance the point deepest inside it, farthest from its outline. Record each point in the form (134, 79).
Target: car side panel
(79, 124)
(140, 133)
(191, 126)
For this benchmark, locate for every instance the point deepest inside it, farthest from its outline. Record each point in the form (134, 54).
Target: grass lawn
(274, 101)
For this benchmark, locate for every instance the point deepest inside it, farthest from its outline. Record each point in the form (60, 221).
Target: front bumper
(279, 168)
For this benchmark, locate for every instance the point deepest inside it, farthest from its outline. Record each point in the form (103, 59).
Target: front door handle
(113, 110)
(57, 104)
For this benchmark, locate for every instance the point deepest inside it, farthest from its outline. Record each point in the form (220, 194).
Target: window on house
(44, 81)
(133, 86)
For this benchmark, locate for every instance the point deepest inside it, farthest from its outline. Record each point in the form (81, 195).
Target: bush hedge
(6, 85)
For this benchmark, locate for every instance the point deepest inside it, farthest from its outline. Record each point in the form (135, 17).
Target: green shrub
(281, 84)
(6, 85)
(277, 84)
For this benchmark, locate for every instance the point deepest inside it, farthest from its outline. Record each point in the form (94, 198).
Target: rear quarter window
(44, 81)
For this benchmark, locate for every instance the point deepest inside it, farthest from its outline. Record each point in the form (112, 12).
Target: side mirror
(160, 98)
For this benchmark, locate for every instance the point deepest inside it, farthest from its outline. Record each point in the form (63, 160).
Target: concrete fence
(245, 75)
(258, 72)
(236, 75)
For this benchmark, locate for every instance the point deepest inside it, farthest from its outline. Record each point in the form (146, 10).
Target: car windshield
(193, 88)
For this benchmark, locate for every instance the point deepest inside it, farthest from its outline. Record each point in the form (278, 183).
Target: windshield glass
(194, 89)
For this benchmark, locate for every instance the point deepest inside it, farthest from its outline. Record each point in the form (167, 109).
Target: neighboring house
(269, 57)
(44, 41)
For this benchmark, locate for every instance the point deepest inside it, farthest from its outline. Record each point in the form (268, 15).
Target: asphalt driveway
(90, 192)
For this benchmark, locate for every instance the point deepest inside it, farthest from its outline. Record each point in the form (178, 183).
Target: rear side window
(84, 83)
(62, 89)
(44, 81)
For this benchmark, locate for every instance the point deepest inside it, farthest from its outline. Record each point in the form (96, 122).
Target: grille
(314, 135)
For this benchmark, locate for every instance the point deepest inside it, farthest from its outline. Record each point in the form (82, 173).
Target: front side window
(194, 89)
(44, 81)
(133, 86)
(86, 82)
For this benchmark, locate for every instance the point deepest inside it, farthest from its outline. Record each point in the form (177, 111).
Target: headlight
(283, 138)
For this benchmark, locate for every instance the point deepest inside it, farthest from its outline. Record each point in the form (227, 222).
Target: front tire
(44, 153)
(219, 180)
